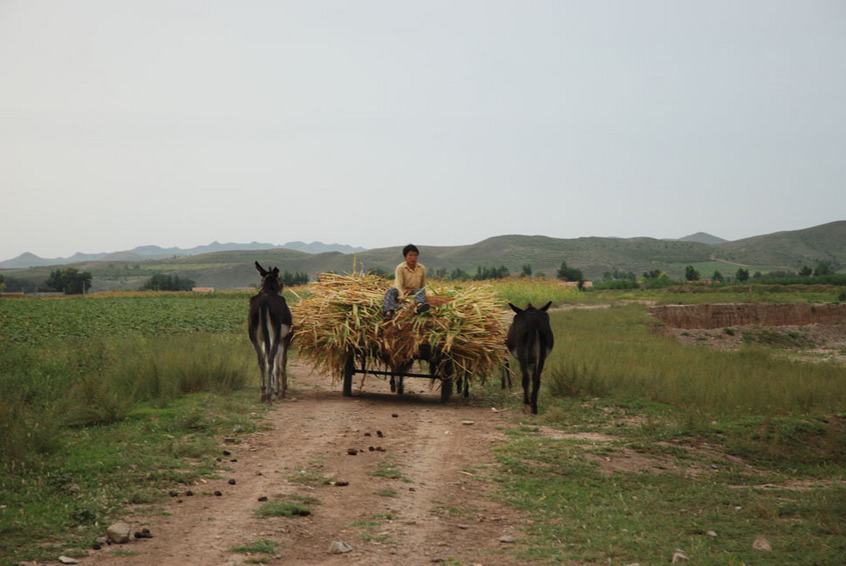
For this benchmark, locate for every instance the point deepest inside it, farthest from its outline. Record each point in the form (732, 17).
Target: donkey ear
(275, 271)
(516, 309)
(260, 269)
(546, 306)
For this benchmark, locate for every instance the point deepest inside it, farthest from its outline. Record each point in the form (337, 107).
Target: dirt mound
(743, 314)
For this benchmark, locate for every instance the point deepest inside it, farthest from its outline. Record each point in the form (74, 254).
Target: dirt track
(433, 510)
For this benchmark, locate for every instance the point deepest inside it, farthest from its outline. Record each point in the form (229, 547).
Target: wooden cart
(356, 362)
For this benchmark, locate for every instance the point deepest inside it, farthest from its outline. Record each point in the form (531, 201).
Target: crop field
(41, 321)
(166, 373)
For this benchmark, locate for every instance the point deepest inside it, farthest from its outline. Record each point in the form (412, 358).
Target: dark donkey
(271, 330)
(530, 340)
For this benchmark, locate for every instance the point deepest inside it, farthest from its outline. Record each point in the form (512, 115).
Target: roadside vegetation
(642, 446)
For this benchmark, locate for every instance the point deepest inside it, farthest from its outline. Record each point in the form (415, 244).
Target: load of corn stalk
(343, 316)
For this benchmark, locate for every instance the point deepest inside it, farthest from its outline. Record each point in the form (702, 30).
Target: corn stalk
(343, 316)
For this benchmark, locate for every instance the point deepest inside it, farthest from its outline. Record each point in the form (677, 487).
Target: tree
(691, 274)
(618, 275)
(806, 271)
(70, 281)
(718, 277)
(742, 275)
(823, 268)
(483, 273)
(458, 274)
(291, 279)
(167, 282)
(569, 273)
(527, 271)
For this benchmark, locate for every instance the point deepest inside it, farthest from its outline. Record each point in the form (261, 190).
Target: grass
(67, 495)
(98, 414)
(291, 506)
(387, 469)
(613, 352)
(258, 552)
(537, 291)
(118, 398)
(686, 485)
(743, 444)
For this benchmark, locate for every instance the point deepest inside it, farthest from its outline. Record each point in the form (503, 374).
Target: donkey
(530, 340)
(271, 330)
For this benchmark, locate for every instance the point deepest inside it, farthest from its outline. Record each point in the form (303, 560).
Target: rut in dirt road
(400, 479)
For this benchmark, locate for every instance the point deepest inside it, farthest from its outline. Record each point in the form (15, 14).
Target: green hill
(789, 250)
(594, 256)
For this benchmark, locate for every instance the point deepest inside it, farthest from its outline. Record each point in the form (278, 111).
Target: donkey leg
(283, 367)
(262, 368)
(525, 371)
(536, 380)
(535, 387)
(273, 372)
(284, 345)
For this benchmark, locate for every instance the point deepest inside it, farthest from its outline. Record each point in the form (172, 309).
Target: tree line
(823, 273)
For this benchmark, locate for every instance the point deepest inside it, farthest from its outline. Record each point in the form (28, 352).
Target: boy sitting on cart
(409, 279)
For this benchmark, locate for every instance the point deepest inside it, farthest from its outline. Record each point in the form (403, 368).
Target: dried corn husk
(343, 315)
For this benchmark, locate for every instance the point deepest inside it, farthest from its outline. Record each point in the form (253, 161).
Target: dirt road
(413, 493)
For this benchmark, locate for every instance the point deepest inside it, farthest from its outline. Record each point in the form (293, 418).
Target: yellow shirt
(407, 280)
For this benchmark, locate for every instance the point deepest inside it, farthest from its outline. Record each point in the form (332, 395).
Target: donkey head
(270, 283)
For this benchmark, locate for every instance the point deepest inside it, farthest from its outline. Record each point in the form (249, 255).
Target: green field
(85, 378)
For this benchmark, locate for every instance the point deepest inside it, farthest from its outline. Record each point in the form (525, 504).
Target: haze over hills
(142, 253)
(595, 256)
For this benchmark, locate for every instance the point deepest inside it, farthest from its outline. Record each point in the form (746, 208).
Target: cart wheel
(349, 369)
(446, 389)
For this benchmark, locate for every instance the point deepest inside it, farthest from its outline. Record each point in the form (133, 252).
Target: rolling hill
(594, 256)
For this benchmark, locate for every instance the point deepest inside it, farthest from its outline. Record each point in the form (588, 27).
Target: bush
(166, 282)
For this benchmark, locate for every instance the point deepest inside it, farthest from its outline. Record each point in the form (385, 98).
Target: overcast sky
(378, 123)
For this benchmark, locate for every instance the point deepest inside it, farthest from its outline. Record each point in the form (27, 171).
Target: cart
(356, 362)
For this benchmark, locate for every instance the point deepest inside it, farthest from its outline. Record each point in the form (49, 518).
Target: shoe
(422, 307)
(387, 316)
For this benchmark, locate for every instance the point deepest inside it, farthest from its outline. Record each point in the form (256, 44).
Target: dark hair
(409, 248)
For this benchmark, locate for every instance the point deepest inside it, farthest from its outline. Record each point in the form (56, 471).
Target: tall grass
(611, 352)
(82, 383)
(536, 291)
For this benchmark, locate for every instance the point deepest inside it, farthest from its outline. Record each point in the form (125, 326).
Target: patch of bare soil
(812, 332)
(425, 504)
(816, 342)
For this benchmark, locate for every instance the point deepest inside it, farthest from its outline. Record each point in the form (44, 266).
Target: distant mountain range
(142, 253)
(230, 266)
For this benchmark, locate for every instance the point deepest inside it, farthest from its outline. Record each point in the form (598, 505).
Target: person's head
(410, 248)
(410, 253)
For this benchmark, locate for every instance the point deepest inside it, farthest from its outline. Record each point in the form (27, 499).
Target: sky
(442, 123)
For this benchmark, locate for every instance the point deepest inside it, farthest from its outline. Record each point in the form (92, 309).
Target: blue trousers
(392, 298)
